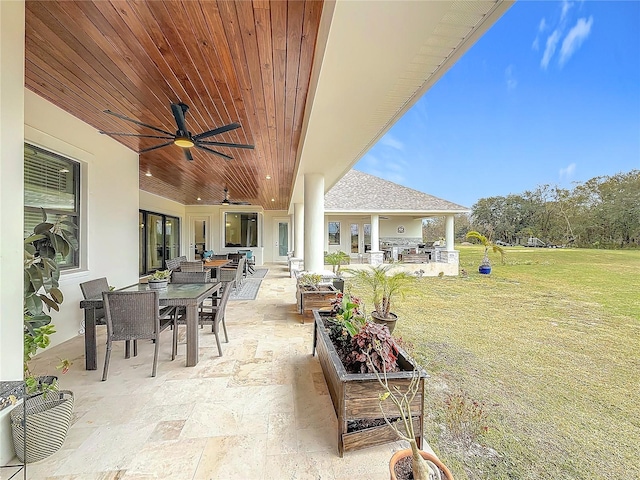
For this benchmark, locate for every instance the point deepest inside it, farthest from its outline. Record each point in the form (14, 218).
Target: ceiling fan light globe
(183, 142)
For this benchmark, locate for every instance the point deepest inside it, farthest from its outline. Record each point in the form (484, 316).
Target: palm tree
(488, 244)
(383, 287)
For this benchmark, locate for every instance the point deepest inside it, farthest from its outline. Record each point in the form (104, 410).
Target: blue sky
(549, 95)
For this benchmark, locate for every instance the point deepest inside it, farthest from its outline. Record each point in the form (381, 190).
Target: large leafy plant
(43, 250)
(373, 349)
(384, 286)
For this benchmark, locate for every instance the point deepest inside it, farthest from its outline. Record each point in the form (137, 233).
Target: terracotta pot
(400, 454)
(389, 321)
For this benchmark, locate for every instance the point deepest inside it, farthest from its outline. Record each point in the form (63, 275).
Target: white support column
(298, 230)
(375, 233)
(314, 222)
(12, 31)
(449, 232)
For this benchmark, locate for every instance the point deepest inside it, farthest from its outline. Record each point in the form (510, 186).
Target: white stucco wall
(109, 203)
(388, 228)
(412, 227)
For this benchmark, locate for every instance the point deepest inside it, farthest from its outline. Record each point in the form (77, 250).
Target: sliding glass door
(159, 240)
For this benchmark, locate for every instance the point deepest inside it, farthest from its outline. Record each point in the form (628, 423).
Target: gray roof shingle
(359, 191)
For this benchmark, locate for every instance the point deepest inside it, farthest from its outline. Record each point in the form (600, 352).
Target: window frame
(75, 215)
(336, 234)
(225, 223)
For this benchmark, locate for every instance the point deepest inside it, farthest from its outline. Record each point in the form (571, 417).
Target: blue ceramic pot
(484, 269)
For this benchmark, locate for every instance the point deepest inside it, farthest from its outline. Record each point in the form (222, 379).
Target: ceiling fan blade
(224, 144)
(187, 154)
(216, 131)
(137, 122)
(157, 146)
(132, 135)
(178, 114)
(202, 147)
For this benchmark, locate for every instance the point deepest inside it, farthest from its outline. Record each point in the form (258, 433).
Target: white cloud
(566, 6)
(552, 43)
(541, 28)
(510, 78)
(574, 39)
(568, 171)
(390, 141)
(543, 25)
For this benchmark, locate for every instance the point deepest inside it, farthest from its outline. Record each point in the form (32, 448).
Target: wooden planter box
(355, 396)
(309, 300)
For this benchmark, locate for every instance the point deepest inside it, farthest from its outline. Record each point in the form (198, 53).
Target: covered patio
(261, 411)
(313, 85)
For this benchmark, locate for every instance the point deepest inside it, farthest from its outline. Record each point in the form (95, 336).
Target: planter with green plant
(312, 294)
(48, 410)
(159, 280)
(485, 265)
(336, 260)
(385, 287)
(341, 339)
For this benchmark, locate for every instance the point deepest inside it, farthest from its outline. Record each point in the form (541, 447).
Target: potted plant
(485, 266)
(384, 288)
(311, 293)
(341, 339)
(424, 465)
(336, 260)
(159, 279)
(48, 410)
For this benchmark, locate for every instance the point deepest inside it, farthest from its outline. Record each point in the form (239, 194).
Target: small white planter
(158, 284)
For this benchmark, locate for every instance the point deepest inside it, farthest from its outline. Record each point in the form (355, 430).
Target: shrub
(376, 341)
(466, 418)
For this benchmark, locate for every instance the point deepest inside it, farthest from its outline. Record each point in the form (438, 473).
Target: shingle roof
(359, 191)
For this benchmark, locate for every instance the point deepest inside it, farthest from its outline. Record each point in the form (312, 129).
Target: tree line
(603, 212)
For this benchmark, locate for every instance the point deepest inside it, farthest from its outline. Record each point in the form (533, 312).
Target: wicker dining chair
(191, 277)
(191, 266)
(134, 316)
(217, 315)
(174, 263)
(94, 289)
(233, 273)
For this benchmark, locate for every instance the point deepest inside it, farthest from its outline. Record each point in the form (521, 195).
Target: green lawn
(549, 344)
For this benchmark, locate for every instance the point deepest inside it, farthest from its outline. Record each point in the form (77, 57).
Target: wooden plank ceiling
(246, 62)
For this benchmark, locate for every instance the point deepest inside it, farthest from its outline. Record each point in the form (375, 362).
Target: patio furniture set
(198, 293)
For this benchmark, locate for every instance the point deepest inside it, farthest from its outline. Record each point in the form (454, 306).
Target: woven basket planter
(48, 420)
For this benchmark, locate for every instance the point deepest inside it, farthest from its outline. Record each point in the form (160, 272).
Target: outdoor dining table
(215, 265)
(187, 295)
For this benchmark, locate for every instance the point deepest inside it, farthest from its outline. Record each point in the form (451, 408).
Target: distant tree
(603, 212)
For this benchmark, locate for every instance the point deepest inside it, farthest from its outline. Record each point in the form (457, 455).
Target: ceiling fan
(226, 200)
(182, 138)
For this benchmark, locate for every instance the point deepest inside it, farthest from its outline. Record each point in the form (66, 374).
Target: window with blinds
(52, 182)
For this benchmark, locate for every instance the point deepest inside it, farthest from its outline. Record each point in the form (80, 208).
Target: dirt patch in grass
(550, 343)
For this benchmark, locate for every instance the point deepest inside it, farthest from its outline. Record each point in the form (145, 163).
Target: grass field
(548, 346)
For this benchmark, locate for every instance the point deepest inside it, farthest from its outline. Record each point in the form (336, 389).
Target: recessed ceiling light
(199, 199)
(268, 177)
(273, 199)
(148, 174)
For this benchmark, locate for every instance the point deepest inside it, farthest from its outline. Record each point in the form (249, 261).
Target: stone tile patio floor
(261, 411)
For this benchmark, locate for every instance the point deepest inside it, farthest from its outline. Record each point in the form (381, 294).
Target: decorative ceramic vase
(400, 454)
(484, 269)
